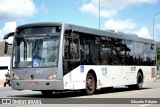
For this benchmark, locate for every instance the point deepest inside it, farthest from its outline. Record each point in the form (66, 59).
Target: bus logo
(6, 101)
(25, 72)
(32, 77)
(104, 71)
(82, 68)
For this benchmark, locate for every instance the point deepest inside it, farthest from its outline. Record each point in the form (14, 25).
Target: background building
(2, 49)
(4, 62)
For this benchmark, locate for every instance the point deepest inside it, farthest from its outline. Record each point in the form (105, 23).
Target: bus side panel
(132, 71)
(149, 73)
(107, 76)
(67, 81)
(75, 79)
(130, 74)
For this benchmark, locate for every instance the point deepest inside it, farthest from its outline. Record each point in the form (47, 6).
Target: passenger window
(71, 51)
(74, 49)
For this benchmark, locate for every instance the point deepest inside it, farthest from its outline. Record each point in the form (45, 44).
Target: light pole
(99, 14)
(154, 20)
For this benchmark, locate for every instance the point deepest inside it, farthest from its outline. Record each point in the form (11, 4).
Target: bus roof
(76, 28)
(109, 33)
(39, 24)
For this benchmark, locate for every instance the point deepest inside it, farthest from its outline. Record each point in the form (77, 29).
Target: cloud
(8, 27)
(109, 8)
(129, 26)
(144, 33)
(16, 9)
(122, 25)
(93, 9)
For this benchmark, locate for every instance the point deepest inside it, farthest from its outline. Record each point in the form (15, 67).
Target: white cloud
(93, 8)
(109, 8)
(128, 26)
(90, 8)
(122, 25)
(8, 27)
(144, 33)
(16, 9)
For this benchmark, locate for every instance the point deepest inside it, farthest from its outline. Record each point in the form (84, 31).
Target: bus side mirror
(11, 34)
(5, 47)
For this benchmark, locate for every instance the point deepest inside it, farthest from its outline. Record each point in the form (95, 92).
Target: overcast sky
(130, 16)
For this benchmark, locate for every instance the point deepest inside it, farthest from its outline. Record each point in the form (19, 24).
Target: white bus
(51, 57)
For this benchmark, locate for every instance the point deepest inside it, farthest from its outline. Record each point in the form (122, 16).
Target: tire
(139, 81)
(47, 92)
(139, 84)
(90, 84)
(5, 84)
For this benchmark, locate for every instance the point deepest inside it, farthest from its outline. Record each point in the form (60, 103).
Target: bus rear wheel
(139, 84)
(139, 81)
(90, 84)
(47, 92)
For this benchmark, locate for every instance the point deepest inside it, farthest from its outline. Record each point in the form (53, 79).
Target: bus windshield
(36, 51)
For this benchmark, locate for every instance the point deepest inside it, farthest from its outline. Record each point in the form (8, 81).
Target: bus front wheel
(90, 84)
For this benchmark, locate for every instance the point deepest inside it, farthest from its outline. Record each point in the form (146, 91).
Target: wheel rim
(90, 84)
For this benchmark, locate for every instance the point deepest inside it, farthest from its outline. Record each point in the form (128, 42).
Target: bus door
(71, 58)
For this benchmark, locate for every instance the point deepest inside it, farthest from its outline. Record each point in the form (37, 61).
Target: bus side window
(71, 54)
(71, 51)
(66, 48)
(74, 49)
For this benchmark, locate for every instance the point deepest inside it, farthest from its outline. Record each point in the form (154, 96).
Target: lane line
(144, 105)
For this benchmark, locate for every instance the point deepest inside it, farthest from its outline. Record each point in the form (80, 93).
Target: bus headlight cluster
(15, 76)
(52, 76)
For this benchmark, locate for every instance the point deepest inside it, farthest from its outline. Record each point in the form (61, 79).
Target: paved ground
(150, 90)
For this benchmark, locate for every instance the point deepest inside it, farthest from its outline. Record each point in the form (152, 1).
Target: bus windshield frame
(36, 50)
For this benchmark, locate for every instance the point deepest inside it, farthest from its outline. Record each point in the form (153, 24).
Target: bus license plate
(32, 83)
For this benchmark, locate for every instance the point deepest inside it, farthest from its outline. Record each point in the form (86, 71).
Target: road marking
(144, 105)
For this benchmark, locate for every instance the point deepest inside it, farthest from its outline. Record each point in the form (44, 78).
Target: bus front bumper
(37, 84)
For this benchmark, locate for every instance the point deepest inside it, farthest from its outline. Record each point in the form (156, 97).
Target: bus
(52, 56)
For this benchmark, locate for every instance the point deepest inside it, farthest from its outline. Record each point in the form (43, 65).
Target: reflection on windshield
(36, 52)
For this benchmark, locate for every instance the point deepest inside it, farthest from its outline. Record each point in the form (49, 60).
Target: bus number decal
(104, 71)
(133, 68)
(81, 68)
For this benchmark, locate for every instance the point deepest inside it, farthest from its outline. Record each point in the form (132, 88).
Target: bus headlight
(52, 76)
(15, 76)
